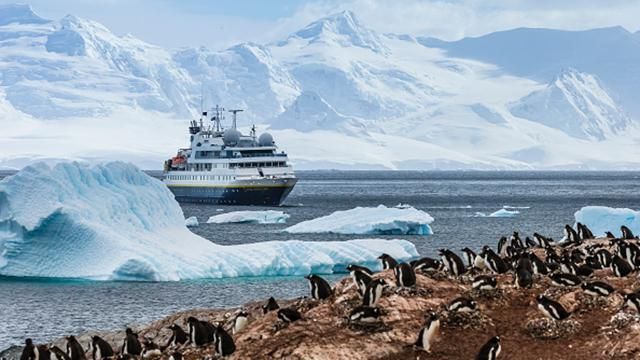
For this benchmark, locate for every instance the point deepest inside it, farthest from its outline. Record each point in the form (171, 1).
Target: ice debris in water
(379, 220)
(114, 222)
(251, 217)
(500, 213)
(601, 219)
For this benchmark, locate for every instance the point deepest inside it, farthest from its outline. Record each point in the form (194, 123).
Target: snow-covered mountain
(335, 94)
(577, 104)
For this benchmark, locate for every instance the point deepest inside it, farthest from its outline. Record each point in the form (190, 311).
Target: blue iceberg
(113, 222)
(601, 219)
(380, 220)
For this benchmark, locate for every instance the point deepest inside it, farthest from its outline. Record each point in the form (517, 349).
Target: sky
(218, 24)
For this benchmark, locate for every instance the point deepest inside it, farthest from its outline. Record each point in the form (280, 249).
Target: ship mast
(235, 116)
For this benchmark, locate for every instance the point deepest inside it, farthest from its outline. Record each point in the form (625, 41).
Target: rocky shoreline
(598, 328)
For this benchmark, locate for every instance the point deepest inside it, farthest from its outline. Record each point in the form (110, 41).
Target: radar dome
(231, 137)
(265, 140)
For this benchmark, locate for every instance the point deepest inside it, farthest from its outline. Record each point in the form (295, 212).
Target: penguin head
(243, 313)
(128, 331)
(95, 338)
(28, 342)
(309, 277)
(540, 298)
(384, 256)
(583, 285)
(376, 311)
(350, 267)
(192, 320)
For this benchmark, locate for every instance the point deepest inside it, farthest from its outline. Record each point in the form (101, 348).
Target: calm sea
(546, 200)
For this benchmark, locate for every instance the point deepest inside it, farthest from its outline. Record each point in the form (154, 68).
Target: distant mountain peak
(344, 28)
(19, 14)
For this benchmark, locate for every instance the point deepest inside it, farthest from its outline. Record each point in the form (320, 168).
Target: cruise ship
(223, 166)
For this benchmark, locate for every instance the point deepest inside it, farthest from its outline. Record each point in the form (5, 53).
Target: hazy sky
(221, 23)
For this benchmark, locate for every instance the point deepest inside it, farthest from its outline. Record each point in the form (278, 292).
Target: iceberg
(502, 213)
(191, 222)
(250, 217)
(379, 220)
(601, 219)
(114, 222)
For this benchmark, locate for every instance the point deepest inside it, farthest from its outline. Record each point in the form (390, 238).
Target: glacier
(601, 219)
(379, 220)
(113, 222)
(250, 217)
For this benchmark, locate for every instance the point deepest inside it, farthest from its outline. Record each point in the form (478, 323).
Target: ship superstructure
(224, 166)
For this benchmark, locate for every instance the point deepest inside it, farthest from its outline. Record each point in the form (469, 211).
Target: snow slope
(50, 226)
(379, 220)
(336, 94)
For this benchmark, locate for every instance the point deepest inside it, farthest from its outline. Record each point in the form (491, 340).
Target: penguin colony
(567, 264)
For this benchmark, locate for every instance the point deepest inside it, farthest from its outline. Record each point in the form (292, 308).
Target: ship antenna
(235, 116)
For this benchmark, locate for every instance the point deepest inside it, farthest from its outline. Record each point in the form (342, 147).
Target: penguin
(524, 278)
(538, 266)
(542, 241)
(567, 267)
(452, 262)
(491, 350)
(289, 315)
(200, 332)
(270, 305)
(361, 277)
(175, 356)
(571, 235)
(627, 234)
(131, 343)
(584, 270)
(484, 282)
(240, 322)
(562, 279)
(493, 261)
(42, 352)
(584, 232)
(597, 288)
(428, 333)
(502, 244)
(320, 288)
(515, 241)
(387, 262)
(620, 267)
(405, 277)
(223, 342)
(29, 351)
(426, 265)
(59, 354)
(604, 257)
(178, 336)
(632, 300)
(551, 309)
(364, 314)
(593, 262)
(462, 305)
(150, 349)
(529, 243)
(74, 349)
(373, 293)
(470, 256)
(609, 235)
(101, 348)
(630, 252)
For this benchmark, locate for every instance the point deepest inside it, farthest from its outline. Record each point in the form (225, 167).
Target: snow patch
(379, 220)
(250, 217)
(114, 222)
(601, 219)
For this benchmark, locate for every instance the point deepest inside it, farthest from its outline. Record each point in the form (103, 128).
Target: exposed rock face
(597, 329)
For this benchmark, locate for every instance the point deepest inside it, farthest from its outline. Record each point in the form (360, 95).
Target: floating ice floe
(250, 217)
(113, 222)
(191, 221)
(379, 220)
(601, 219)
(508, 207)
(500, 213)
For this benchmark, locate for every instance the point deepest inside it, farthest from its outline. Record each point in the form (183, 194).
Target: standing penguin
(502, 246)
(627, 234)
(609, 235)
(470, 256)
(74, 349)
(361, 276)
(604, 257)
(271, 305)
(428, 333)
(29, 351)
(373, 293)
(223, 342)
(584, 232)
(542, 241)
(131, 343)
(59, 354)
(490, 350)
(240, 322)
(387, 261)
(571, 235)
(493, 261)
(552, 309)
(178, 336)
(320, 288)
(405, 277)
(43, 352)
(101, 348)
(200, 332)
(452, 262)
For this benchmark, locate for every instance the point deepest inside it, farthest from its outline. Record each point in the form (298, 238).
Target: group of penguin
(576, 260)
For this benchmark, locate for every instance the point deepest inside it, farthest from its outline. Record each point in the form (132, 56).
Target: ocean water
(45, 310)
